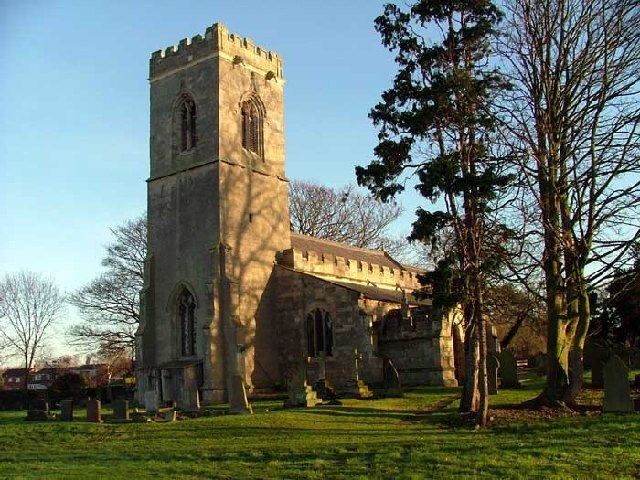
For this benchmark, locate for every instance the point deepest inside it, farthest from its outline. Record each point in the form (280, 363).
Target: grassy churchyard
(418, 436)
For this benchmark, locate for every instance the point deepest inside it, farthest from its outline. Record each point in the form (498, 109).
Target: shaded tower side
(254, 221)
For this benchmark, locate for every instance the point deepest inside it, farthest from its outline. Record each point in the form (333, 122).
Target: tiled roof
(305, 243)
(386, 295)
(14, 371)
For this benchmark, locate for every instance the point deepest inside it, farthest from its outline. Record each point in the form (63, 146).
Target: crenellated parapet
(328, 265)
(217, 41)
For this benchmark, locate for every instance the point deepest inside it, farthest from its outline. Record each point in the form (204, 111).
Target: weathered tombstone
(357, 387)
(299, 393)
(120, 410)
(38, 410)
(66, 410)
(170, 416)
(41, 404)
(493, 364)
(190, 395)
(617, 393)
(391, 379)
(508, 370)
(151, 401)
(94, 413)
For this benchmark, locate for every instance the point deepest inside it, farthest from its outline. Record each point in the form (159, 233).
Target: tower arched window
(187, 323)
(319, 330)
(252, 119)
(186, 114)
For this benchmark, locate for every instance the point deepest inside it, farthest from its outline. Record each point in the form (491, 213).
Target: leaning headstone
(120, 410)
(391, 379)
(94, 413)
(151, 401)
(617, 393)
(493, 364)
(66, 410)
(508, 370)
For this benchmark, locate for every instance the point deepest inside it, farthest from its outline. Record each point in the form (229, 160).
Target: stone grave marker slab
(66, 410)
(617, 392)
(94, 411)
(120, 410)
(508, 370)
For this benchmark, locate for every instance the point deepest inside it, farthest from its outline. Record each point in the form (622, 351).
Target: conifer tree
(437, 125)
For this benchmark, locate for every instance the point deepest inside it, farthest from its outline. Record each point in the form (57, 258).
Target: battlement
(216, 40)
(328, 265)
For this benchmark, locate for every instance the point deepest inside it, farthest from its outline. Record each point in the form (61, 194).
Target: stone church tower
(217, 216)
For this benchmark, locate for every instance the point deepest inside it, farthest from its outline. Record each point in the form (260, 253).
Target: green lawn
(388, 438)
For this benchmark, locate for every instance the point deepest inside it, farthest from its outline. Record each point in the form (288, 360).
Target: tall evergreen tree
(437, 125)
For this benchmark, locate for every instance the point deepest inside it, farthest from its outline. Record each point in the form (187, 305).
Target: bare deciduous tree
(574, 111)
(29, 307)
(343, 215)
(110, 304)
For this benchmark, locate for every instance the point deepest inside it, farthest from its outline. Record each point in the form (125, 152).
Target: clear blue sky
(74, 110)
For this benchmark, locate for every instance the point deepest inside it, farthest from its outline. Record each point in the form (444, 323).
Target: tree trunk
(576, 366)
(470, 393)
(483, 400)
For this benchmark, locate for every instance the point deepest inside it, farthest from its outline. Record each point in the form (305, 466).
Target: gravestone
(38, 410)
(94, 413)
(617, 393)
(508, 370)
(299, 393)
(120, 410)
(151, 401)
(190, 395)
(40, 404)
(66, 410)
(357, 387)
(493, 364)
(391, 379)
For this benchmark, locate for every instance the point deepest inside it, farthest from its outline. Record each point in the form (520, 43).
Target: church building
(231, 293)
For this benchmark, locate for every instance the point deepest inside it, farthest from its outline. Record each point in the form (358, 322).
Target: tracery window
(187, 120)
(319, 328)
(252, 118)
(186, 321)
